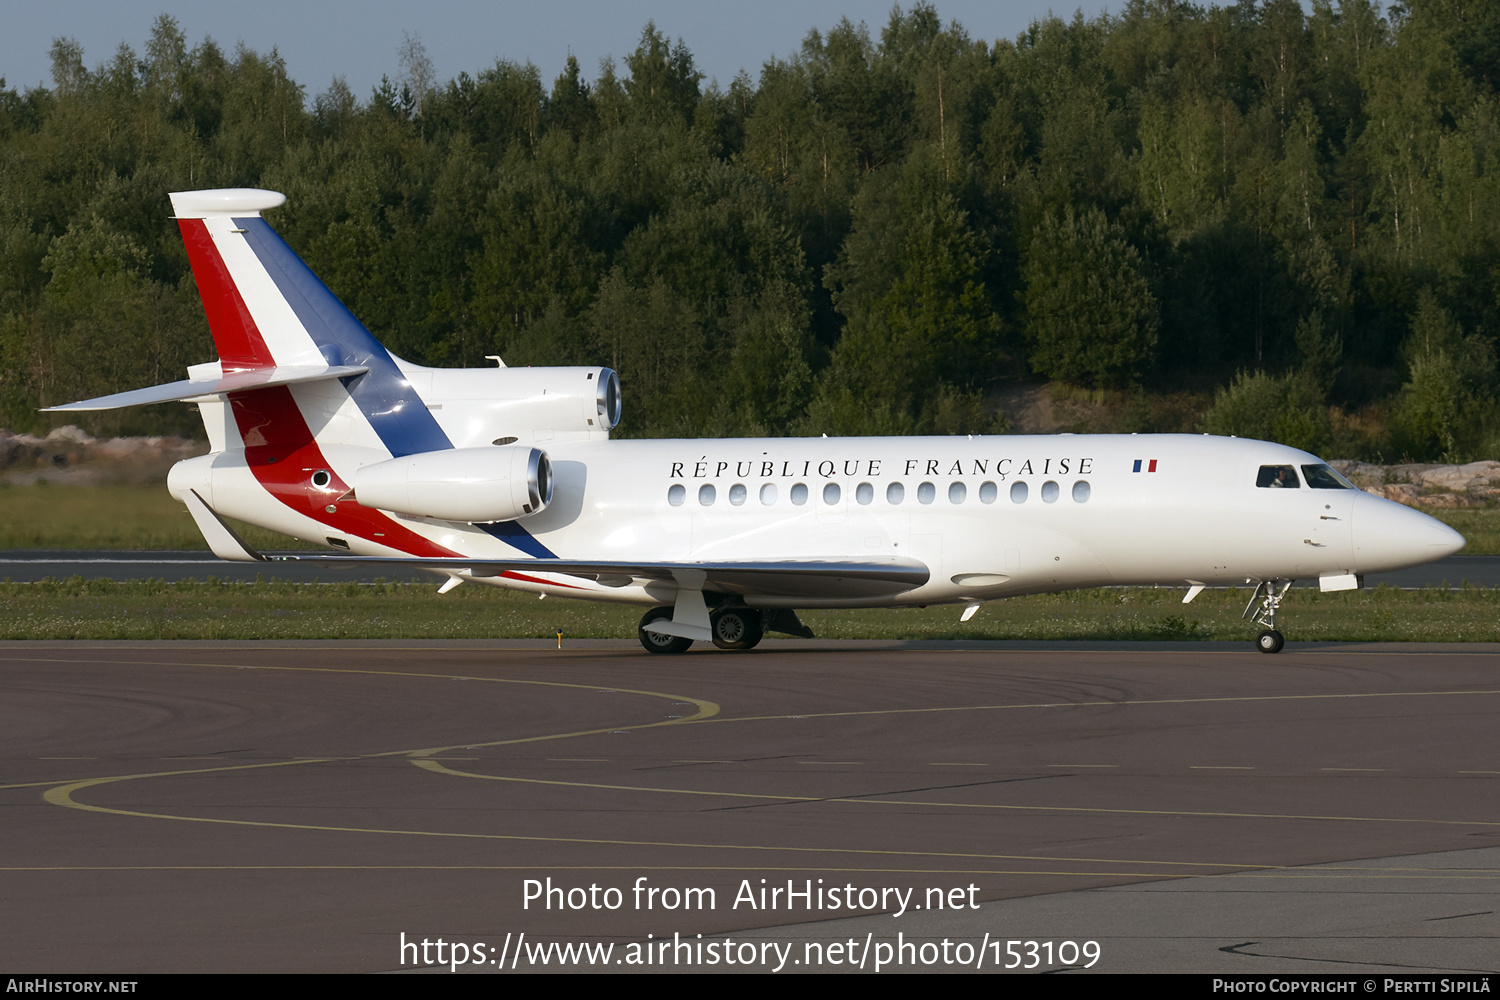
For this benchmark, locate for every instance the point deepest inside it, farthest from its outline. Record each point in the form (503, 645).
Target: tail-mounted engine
(460, 484)
(477, 406)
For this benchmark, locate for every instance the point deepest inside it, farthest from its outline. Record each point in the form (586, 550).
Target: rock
(1449, 500)
(68, 455)
(1407, 493)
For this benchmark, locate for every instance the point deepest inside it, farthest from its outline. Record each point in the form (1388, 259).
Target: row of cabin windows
(864, 493)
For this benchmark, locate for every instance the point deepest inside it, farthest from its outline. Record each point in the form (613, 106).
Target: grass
(52, 516)
(49, 516)
(151, 609)
(109, 517)
(1480, 525)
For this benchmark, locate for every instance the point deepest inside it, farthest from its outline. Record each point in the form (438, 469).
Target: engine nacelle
(476, 406)
(460, 484)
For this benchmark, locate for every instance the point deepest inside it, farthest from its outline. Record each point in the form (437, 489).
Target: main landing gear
(729, 627)
(1269, 596)
(736, 628)
(660, 642)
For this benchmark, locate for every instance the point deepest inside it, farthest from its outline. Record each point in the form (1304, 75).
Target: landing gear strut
(1269, 596)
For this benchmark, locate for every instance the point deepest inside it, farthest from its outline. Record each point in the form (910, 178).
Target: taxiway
(1191, 807)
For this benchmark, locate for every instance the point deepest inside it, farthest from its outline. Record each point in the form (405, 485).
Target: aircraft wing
(774, 577)
(826, 578)
(195, 388)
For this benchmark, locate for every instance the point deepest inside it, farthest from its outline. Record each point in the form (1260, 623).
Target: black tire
(1270, 641)
(659, 642)
(736, 628)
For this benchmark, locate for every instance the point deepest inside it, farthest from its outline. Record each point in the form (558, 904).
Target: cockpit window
(1321, 477)
(1278, 477)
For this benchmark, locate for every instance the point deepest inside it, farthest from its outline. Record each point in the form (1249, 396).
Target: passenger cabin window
(1321, 477)
(1277, 477)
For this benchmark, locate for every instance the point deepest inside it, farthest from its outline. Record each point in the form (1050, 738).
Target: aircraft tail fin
(266, 309)
(264, 306)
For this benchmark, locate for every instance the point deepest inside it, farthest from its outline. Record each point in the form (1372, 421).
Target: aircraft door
(1328, 519)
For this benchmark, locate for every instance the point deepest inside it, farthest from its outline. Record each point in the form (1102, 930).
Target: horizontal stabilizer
(196, 388)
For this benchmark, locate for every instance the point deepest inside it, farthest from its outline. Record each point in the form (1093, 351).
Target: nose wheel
(1268, 594)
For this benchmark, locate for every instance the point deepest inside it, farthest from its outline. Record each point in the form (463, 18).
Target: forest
(1258, 219)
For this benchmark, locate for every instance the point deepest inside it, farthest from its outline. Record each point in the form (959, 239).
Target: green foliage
(1289, 409)
(867, 237)
(1447, 407)
(1090, 314)
(921, 321)
(663, 84)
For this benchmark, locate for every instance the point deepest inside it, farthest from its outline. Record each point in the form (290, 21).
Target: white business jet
(508, 477)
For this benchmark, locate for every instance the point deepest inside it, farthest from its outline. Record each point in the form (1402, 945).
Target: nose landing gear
(1269, 596)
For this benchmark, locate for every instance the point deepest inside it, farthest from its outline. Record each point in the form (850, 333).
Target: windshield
(1275, 477)
(1321, 477)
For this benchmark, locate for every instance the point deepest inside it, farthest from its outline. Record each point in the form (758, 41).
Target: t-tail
(317, 431)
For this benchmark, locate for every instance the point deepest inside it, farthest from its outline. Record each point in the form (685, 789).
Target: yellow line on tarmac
(438, 768)
(1128, 703)
(62, 793)
(705, 710)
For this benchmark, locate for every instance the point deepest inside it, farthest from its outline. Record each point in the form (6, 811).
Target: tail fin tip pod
(231, 283)
(224, 202)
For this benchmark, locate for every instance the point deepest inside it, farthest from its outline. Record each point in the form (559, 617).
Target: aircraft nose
(1388, 536)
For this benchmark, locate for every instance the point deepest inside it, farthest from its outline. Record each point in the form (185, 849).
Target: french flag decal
(1149, 468)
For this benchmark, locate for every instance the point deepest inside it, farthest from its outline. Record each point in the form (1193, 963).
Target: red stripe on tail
(234, 331)
(281, 452)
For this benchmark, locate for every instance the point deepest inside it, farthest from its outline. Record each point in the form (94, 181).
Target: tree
(1448, 402)
(663, 83)
(1090, 315)
(1289, 409)
(417, 74)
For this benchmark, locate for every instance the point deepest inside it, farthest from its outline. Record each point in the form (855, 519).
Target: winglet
(220, 537)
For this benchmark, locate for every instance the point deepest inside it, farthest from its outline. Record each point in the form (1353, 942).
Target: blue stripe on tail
(383, 394)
